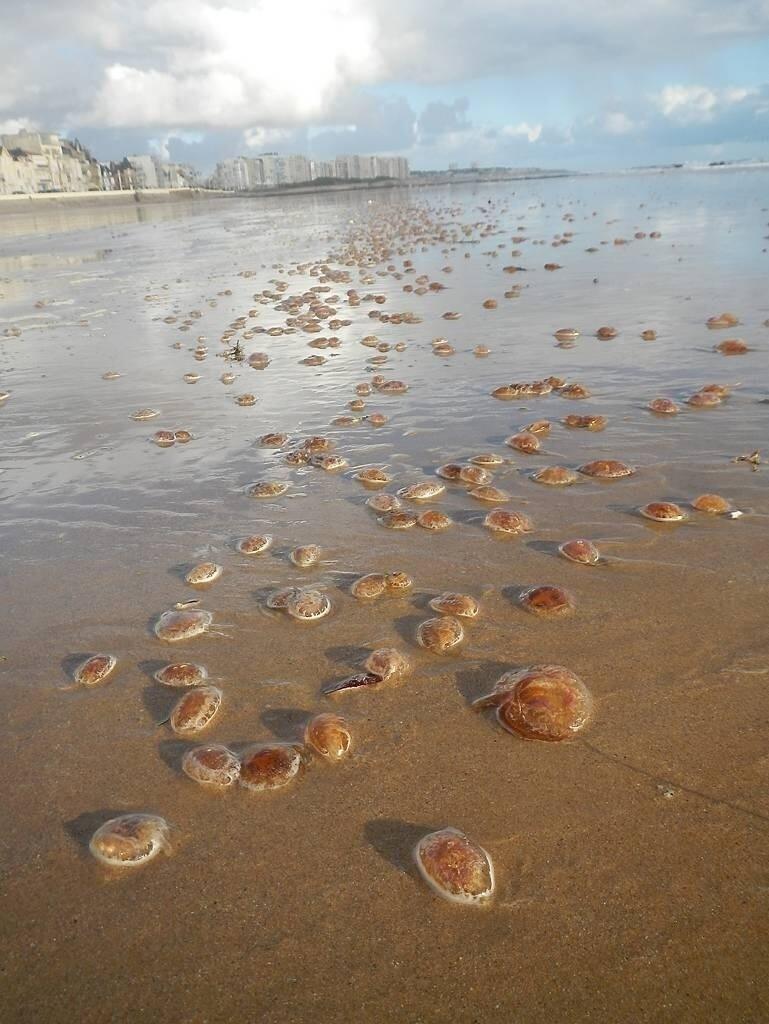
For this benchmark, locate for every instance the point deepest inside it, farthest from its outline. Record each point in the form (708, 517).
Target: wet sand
(631, 861)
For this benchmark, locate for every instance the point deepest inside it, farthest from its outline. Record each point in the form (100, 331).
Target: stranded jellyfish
(574, 391)
(176, 625)
(95, 670)
(212, 766)
(475, 475)
(566, 334)
(329, 735)
(537, 427)
(398, 581)
(130, 840)
(308, 605)
(267, 489)
(164, 438)
(182, 436)
(432, 520)
(526, 443)
(605, 333)
(489, 458)
(500, 521)
(144, 414)
(663, 406)
(206, 572)
(399, 520)
(462, 605)
(440, 635)
(269, 766)
(181, 674)
(306, 556)
(455, 867)
(481, 350)
(606, 469)
(547, 600)
(195, 710)
(541, 702)
(449, 471)
(274, 440)
(649, 335)
(422, 492)
(732, 347)
(723, 320)
(246, 399)
(555, 476)
(254, 545)
(278, 599)
(384, 503)
(489, 493)
(583, 551)
(373, 477)
(663, 512)
(712, 503)
(330, 463)
(704, 399)
(387, 663)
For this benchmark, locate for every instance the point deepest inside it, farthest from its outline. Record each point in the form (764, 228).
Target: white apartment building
(146, 172)
(37, 162)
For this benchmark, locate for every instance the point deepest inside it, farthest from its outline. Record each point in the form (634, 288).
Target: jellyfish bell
(213, 765)
(206, 572)
(130, 840)
(663, 512)
(195, 710)
(663, 407)
(308, 605)
(459, 605)
(555, 476)
(176, 625)
(181, 674)
(440, 635)
(500, 520)
(455, 867)
(268, 766)
(306, 556)
(541, 702)
(606, 469)
(329, 736)
(256, 544)
(387, 663)
(712, 503)
(95, 670)
(582, 551)
(547, 600)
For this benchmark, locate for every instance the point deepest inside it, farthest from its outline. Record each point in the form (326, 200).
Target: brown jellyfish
(541, 702)
(663, 512)
(547, 600)
(582, 551)
(329, 736)
(606, 469)
(440, 635)
(455, 867)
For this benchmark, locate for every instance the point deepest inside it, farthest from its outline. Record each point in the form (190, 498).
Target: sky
(576, 84)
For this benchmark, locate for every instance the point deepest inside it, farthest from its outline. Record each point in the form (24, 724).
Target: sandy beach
(630, 859)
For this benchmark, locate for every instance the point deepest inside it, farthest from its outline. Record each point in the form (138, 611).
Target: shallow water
(631, 863)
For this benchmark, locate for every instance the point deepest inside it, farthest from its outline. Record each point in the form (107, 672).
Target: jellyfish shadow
(81, 828)
(395, 840)
(286, 724)
(479, 680)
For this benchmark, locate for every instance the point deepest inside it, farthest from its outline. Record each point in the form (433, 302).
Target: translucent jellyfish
(273, 440)
(399, 520)
(387, 663)
(583, 551)
(425, 491)
(144, 414)
(176, 625)
(476, 476)
(547, 600)
(267, 489)
(432, 520)
(267, 766)
(308, 605)
(204, 573)
(461, 605)
(195, 710)
(130, 840)
(606, 469)
(256, 544)
(733, 347)
(487, 459)
(164, 438)
(566, 334)
(605, 333)
(440, 635)
(449, 471)
(95, 670)
(246, 399)
(373, 477)
(455, 867)
(541, 702)
(663, 512)
(214, 765)
(712, 503)
(329, 735)
(306, 556)
(574, 391)
(330, 463)
(663, 406)
(501, 521)
(555, 476)
(180, 674)
(182, 436)
(526, 443)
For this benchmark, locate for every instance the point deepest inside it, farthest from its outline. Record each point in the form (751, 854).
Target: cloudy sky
(577, 83)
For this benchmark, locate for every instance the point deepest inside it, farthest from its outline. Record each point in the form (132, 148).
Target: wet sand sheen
(629, 862)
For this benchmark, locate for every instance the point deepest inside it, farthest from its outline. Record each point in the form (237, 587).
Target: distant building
(42, 162)
(146, 172)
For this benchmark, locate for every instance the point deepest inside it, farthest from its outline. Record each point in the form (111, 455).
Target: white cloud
(18, 124)
(618, 123)
(698, 104)
(524, 130)
(263, 138)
